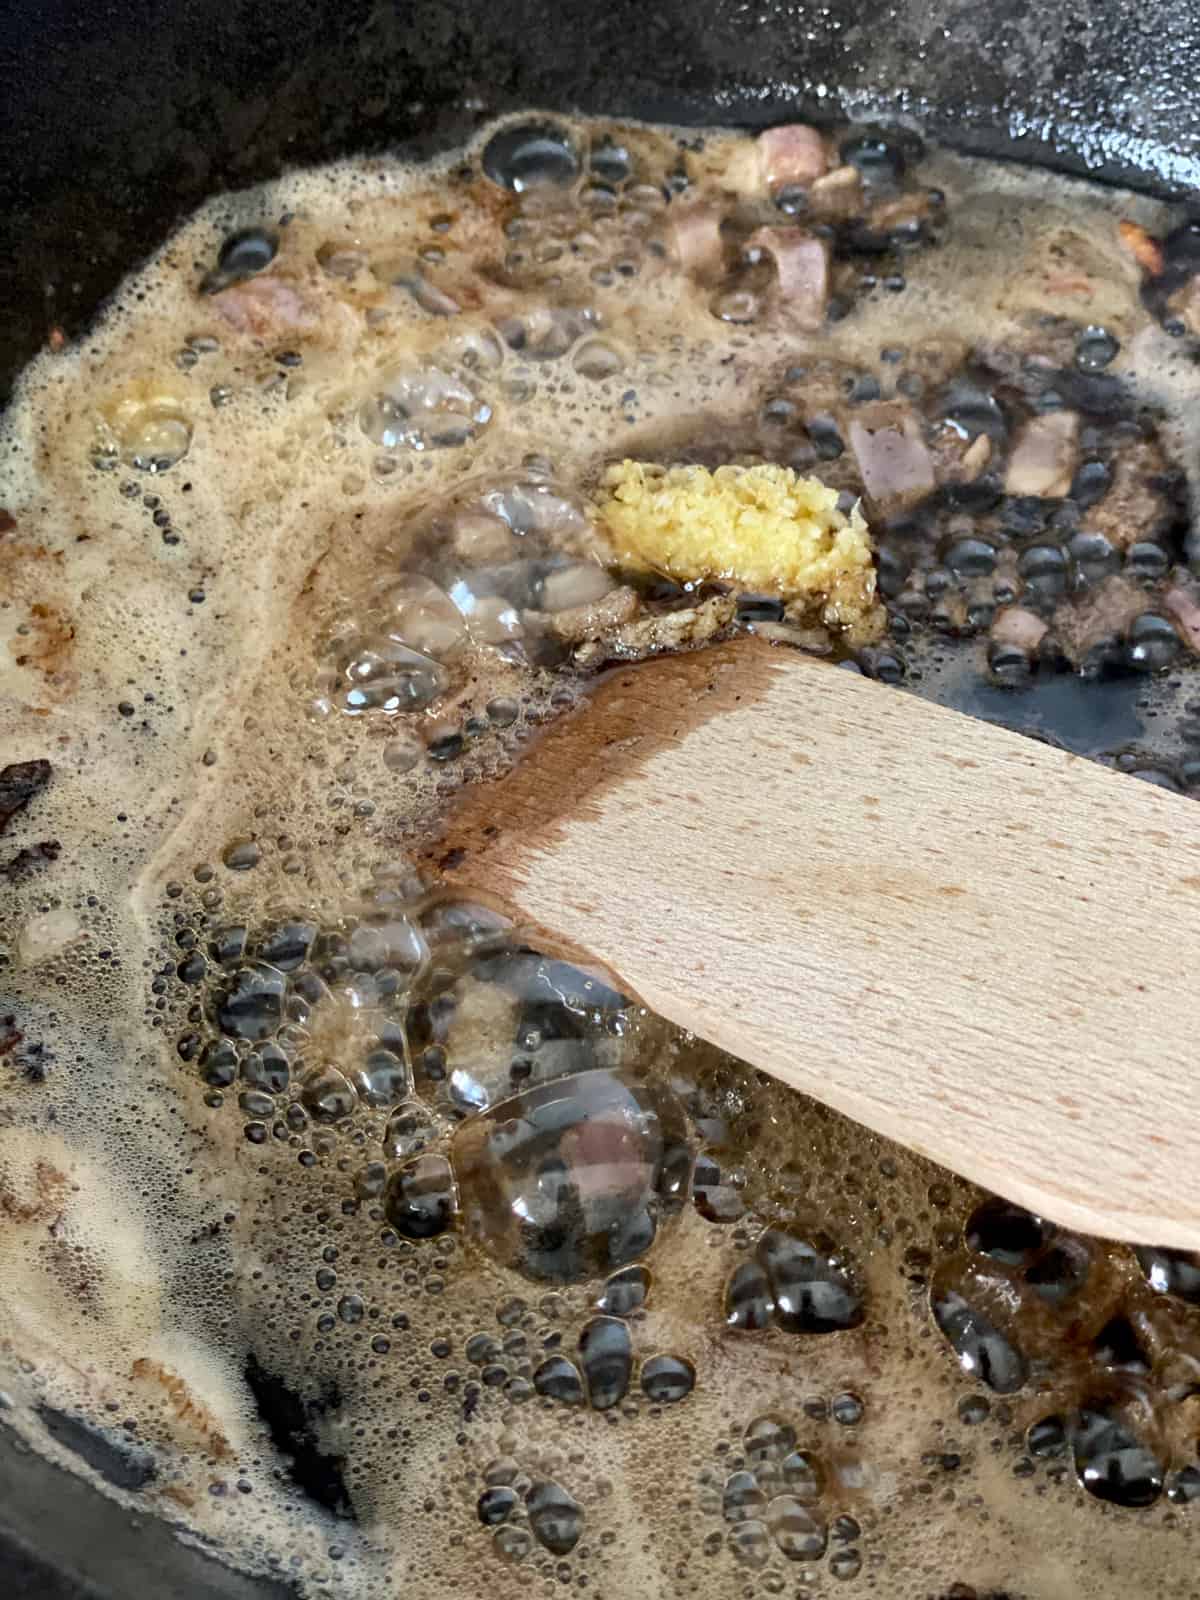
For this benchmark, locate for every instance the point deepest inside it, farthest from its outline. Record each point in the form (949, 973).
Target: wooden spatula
(982, 947)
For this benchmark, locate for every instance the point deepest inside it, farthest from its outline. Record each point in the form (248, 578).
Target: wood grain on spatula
(976, 944)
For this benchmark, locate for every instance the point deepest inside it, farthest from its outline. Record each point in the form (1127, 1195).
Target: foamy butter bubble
(46, 1188)
(46, 934)
(371, 1216)
(147, 427)
(424, 410)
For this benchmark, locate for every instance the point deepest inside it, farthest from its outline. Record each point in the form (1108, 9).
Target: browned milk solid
(162, 642)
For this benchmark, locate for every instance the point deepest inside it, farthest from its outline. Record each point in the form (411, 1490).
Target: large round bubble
(572, 1178)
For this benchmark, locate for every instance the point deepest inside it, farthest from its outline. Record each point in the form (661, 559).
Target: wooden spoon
(976, 944)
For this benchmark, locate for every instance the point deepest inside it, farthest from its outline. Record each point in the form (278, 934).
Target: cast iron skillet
(117, 120)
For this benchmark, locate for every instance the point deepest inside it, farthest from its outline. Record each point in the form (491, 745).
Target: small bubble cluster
(779, 1503)
(525, 1511)
(601, 1374)
(513, 574)
(793, 1285)
(1113, 1333)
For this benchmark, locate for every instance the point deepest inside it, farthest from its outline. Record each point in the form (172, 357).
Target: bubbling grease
(371, 1242)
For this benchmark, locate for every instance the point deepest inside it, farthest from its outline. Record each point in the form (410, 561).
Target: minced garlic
(763, 528)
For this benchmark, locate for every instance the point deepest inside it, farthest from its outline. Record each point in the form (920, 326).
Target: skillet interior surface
(114, 124)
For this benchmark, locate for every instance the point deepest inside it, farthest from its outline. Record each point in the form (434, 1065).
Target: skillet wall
(115, 120)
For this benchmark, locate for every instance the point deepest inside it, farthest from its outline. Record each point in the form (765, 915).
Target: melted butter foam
(200, 520)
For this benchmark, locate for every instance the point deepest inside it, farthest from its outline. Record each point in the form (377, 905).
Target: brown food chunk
(266, 308)
(1022, 629)
(1074, 271)
(958, 459)
(896, 467)
(695, 238)
(1043, 458)
(801, 272)
(791, 154)
(592, 620)
(1144, 249)
(1135, 505)
(887, 215)
(1185, 304)
(669, 630)
(838, 195)
(1182, 605)
(1097, 619)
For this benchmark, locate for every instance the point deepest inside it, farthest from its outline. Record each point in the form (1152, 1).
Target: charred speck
(33, 1062)
(30, 860)
(291, 1421)
(19, 782)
